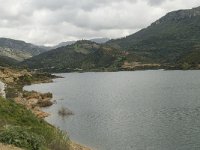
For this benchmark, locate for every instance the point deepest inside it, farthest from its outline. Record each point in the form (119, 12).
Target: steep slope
(168, 40)
(81, 55)
(18, 50)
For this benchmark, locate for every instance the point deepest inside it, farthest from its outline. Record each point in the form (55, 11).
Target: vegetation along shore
(22, 121)
(171, 42)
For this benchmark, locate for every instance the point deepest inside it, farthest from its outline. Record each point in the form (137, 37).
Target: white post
(2, 89)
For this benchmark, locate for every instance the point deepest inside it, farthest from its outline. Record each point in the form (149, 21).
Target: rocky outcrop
(8, 75)
(179, 15)
(15, 80)
(34, 101)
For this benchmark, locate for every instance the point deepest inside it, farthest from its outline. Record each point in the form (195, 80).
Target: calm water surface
(141, 110)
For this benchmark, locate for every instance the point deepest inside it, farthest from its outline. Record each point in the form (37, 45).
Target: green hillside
(84, 55)
(166, 40)
(172, 42)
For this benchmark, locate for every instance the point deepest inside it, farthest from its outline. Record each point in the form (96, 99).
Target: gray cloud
(54, 21)
(156, 2)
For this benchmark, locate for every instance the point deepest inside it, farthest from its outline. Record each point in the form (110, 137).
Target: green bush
(25, 79)
(23, 124)
(185, 66)
(21, 137)
(59, 141)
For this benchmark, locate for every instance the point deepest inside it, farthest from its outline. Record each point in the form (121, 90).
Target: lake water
(141, 110)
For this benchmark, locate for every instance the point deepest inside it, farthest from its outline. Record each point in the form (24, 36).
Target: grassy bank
(20, 127)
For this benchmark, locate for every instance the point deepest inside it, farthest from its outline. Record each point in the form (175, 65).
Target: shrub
(185, 66)
(65, 112)
(60, 142)
(21, 138)
(25, 125)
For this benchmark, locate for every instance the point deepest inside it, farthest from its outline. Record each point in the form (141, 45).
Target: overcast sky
(48, 22)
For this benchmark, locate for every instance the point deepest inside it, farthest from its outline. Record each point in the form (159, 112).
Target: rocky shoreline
(16, 79)
(35, 101)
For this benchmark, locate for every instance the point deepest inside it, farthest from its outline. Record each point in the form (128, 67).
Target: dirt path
(8, 147)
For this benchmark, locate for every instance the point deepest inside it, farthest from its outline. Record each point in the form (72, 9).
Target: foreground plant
(21, 137)
(20, 127)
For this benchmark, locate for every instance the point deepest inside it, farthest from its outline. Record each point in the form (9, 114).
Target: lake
(140, 110)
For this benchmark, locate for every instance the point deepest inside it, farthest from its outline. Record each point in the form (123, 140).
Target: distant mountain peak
(179, 15)
(197, 8)
(18, 50)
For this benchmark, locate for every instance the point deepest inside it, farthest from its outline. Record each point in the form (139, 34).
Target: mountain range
(19, 50)
(172, 41)
(83, 54)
